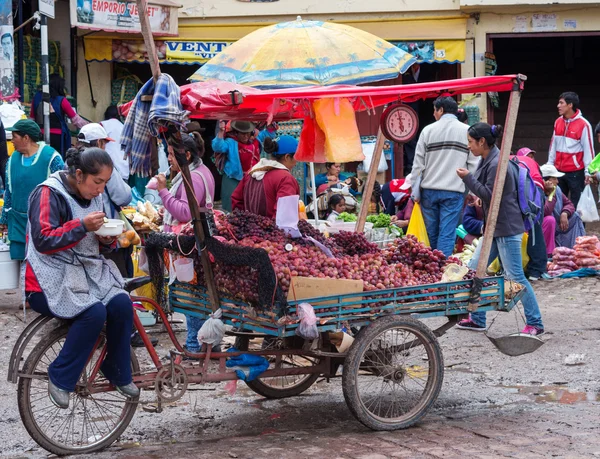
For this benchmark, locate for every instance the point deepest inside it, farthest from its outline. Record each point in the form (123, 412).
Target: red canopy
(213, 99)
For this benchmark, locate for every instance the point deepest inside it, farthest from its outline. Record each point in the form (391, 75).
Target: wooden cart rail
(354, 309)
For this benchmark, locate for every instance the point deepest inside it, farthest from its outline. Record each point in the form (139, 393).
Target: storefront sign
(521, 24)
(47, 8)
(122, 16)
(7, 52)
(491, 66)
(198, 51)
(570, 24)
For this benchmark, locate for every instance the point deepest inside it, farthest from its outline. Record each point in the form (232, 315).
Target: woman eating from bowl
(177, 210)
(269, 180)
(67, 277)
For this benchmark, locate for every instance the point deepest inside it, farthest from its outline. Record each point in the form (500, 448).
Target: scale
(399, 123)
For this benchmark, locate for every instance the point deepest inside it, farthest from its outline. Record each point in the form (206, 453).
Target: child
(337, 205)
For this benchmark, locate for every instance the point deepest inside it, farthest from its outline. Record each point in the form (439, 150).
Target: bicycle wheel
(92, 421)
(393, 373)
(280, 386)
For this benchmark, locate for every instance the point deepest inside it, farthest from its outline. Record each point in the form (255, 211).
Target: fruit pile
(406, 262)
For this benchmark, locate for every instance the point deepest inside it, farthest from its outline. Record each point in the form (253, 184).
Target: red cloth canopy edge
(213, 99)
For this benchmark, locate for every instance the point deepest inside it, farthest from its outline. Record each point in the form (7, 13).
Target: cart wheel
(393, 373)
(280, 386)
(92, 421)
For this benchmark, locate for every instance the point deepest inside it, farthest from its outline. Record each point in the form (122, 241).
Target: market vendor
(561, 224)
(333, 177)
(397, 202)
(177, 211)
(30, 164)
(236, 152)
(67, 277)
(269, 180)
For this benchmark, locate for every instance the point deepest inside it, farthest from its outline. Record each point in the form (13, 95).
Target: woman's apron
(23, 180)
(75, 279)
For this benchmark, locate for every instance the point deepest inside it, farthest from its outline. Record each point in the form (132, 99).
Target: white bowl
(113, 227)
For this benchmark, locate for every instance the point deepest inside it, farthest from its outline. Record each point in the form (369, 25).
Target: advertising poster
(7, 54)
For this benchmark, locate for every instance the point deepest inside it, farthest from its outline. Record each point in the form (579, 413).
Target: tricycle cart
(391, 376)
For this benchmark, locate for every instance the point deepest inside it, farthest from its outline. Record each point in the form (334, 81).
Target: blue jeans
(441, 211)
(194, 324)
(508, 248)
(83, 332)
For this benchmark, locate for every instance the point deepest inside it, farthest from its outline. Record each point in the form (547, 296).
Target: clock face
(399, 123)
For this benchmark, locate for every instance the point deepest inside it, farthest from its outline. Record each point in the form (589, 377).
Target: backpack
(529, 195)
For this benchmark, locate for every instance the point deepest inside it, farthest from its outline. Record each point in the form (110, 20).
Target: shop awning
(170, 51)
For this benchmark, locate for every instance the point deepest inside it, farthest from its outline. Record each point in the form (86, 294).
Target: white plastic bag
(308, 322)
(213, 330)
(587, 206)
(369, 150)
(287, 215)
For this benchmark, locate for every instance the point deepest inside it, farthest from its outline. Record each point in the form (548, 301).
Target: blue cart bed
(351, 310)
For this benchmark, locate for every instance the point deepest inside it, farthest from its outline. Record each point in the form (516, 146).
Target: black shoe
(136, 340)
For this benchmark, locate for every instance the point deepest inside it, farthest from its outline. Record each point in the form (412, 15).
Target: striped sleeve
(52, 227)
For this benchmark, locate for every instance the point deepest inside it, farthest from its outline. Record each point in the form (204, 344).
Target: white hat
(407, 182)
(93, 131)
(548, 170)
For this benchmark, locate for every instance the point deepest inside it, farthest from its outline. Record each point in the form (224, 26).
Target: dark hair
(6, 35)
(33, 138)
(597, 129)
(448, 104)
(57, 85)
(193, 143)
(462, 115)
(271, 147)
(328, 165)
(334, 200)
(87, 160)
(111, 112)
(484, 130)
(570, 98)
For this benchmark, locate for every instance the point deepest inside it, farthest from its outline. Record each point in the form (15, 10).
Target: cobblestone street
(490, 406)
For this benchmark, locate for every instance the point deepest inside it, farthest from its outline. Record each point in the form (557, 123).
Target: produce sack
(308, 322)
(495, 266)
(416, 225)
(336, 118)
(311, 147)
(587, 206)
(213, 330)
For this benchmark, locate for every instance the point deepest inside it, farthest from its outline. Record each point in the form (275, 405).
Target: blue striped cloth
(144, 119)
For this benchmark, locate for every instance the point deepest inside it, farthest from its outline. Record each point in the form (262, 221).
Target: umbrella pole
(368, 188)
(492, 217)
(314, 192)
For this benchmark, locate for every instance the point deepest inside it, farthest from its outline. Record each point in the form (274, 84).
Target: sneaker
(130, 390)
(468, 324)
(533, 278)
(533, 331)
(58, 396)
(136, 340)
(546, 276)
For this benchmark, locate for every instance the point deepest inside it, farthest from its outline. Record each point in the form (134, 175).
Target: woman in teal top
(31, 164)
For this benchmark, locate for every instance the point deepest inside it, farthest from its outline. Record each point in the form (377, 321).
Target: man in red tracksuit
(572, 146)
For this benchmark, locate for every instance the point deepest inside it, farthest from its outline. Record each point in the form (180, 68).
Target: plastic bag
(308, 322)
(369, 151)
(213, 329)
(416, 225)
(337, 120)
(247, 366)
(495, 265)
(587, 206)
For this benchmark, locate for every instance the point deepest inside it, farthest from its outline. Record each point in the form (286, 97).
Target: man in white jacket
(441, 149)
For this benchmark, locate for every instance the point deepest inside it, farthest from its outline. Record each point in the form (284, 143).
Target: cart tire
(282, 386)
(92, 421)
(397, 385)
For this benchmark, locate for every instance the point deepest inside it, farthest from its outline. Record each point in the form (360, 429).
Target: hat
(28, 127)
(93, 131)
(548, 170)
(286, 145)
(525, 151)
(407, 183)
(243, 126)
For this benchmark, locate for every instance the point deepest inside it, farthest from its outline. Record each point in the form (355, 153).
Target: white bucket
(9, 280)
(184, 269)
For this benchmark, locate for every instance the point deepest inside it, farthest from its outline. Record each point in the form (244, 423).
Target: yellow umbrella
(306, 53)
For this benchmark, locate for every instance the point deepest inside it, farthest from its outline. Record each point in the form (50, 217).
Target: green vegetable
(345, 216)
(382, 221)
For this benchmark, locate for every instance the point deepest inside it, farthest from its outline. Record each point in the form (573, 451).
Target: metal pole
(492, 217)
(314, 192)
(45, 78)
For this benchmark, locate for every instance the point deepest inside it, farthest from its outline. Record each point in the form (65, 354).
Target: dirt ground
(490, 405)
